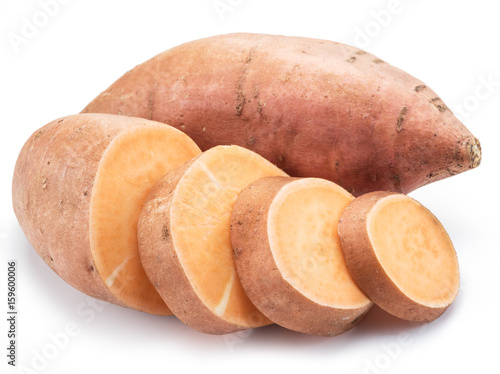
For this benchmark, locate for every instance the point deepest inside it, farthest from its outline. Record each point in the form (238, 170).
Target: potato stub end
(129, 168)
(475, 153)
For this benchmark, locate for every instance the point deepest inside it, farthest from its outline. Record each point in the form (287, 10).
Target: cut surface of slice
(185, 244)
(130, 167)
(288, 255)
(400, 255)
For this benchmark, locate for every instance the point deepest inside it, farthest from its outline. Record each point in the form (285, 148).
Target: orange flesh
(200, 223)
(414, 250)
(131, 165)
(302, 227)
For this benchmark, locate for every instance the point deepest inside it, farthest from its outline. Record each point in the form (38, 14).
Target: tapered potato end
(288, 256)
(400, 255)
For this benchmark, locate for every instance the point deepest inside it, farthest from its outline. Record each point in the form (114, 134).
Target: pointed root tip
(474, 149)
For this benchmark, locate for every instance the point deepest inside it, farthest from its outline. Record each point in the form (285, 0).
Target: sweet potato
(315, 108)
(79, 185)
(184, 239)
(400, 255)
(288, 256)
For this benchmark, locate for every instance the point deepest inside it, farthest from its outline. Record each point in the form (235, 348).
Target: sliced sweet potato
(184, 239)
(79, 185)
(400, 255)
(288, 256)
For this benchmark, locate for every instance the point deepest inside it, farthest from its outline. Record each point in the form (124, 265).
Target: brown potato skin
(260, 277)
(52, 189)
(366, 270)
(315, 108)
(51, 193)
(161, 263)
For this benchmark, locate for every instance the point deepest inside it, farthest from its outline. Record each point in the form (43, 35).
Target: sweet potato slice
(400, 255)
(288, 256)
(184, 239)
(79, 185)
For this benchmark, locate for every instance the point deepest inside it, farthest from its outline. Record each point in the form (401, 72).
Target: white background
(453, 46)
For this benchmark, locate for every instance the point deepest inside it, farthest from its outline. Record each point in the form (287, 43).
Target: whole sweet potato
(313, 107)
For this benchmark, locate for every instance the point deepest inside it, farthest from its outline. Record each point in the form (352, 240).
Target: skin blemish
(165, 232)
(260, 105)
(401, 118)
(38, 134)
(240, 96)
(438, 104)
